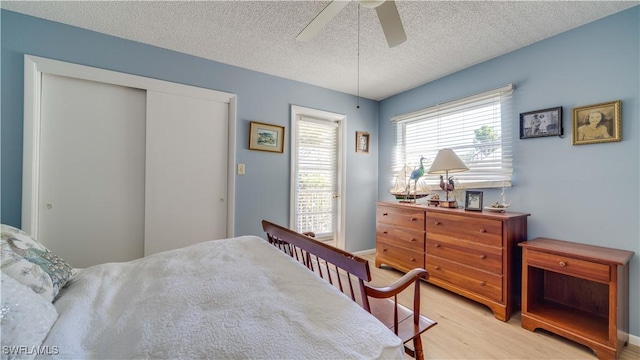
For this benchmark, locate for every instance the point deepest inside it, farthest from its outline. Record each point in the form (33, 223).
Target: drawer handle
(437, 245)
(483, 231)
(384, 250)
(438, 223)
(385, 214)
(413, 240)
(414, 219)
(385, 232)
(437, 267)
(483, 256)
(482, 283)
(562, 263)
(412, 259)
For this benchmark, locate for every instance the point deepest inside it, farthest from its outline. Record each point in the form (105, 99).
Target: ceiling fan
(387, 14)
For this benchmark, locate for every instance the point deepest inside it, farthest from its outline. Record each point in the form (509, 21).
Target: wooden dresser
(577, 291)
(471, 253)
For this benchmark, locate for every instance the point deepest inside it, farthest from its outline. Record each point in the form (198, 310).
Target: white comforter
(237, 298)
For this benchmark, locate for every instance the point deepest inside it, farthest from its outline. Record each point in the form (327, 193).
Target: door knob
(48, 206)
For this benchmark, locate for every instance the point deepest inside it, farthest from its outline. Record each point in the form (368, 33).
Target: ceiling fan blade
(391, 23)
(321, 20)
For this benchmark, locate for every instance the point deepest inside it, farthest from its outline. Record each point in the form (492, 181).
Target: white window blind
(477, 128)
(316, 178)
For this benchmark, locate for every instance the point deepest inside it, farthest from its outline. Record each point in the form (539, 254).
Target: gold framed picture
(362, 142)
(597, 123)
(266, 137)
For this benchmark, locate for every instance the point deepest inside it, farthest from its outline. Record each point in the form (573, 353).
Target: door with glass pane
(316, 182)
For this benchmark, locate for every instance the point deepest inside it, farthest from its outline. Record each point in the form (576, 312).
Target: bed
(232, 298)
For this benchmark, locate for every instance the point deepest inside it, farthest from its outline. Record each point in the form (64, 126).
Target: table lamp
(447, 161)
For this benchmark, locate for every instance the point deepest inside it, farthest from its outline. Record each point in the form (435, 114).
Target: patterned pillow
(25, 319)
(32, 264)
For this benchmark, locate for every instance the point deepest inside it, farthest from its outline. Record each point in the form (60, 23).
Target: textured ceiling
(443, 36)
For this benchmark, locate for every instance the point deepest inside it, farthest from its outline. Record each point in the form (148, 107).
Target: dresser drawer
(482, 257)
(401, 256)
(479, 282)
(405, 218)
(407, 238)
(568, 265)
(482, 231)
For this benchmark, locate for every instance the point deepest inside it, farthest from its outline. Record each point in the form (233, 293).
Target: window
(477, 128)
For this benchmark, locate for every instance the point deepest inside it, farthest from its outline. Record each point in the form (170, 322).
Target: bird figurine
(415, 175)
(447, 186)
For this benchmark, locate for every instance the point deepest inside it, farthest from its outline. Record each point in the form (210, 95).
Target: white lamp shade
(447, 162)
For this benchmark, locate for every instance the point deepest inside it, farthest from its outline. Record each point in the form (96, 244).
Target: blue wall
(586, 193)
(264, 191)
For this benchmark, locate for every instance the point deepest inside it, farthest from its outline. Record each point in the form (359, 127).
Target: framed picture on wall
(362, 142)
(539, 123)
(266, 137)
(597, 123)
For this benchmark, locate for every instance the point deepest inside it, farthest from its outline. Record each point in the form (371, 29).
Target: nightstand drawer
(406, 258)
(568, 265)
(406, 218)
(479, 282)
(407, 238)
(482, 257)
(482, 231)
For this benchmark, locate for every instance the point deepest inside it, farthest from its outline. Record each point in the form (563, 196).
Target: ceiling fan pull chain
(358, 65)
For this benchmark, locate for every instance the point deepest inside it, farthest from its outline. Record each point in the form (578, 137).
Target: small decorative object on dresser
(467, 252)
(578, 291)
(473, 201)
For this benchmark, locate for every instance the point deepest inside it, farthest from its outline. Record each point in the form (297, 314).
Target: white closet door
(92, 155)
(186, 176)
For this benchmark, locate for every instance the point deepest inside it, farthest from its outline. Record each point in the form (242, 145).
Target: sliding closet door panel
(186, 174)
(91, 170)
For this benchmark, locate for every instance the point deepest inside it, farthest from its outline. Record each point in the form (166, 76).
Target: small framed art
(539, 123)
(597, 123)
(473, 201)
(266, 137)
(362, 142)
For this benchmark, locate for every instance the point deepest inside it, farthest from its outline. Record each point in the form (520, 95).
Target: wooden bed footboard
(350, 274)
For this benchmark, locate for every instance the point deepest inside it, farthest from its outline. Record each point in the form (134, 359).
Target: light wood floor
(468, 330)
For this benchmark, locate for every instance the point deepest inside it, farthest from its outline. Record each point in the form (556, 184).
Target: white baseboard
(364, 252)
(633, 340)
